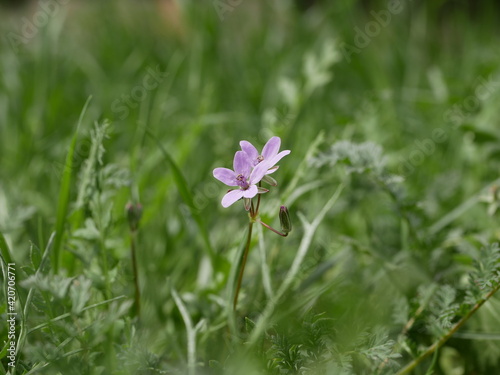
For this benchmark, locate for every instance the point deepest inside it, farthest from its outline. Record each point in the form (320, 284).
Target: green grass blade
(303, 166)
(461, 209)
(309, 231)
(430, 370)
(4, 250)
(187, 197)
(191, 333)
(64, 195)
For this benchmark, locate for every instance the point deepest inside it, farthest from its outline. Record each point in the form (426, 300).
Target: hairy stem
(243, 263)
(450, 333)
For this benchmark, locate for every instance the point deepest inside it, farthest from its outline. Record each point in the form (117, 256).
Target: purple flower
(244, 176)
(269, 153)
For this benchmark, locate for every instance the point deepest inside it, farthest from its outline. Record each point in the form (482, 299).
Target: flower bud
(286, 223)
(248, 203)
(134, 213)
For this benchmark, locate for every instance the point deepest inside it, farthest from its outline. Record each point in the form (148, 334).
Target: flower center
(260, 158)
(242, 182)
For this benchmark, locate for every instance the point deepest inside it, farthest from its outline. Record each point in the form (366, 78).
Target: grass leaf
(64, 195)
(4, 250)
(187, 197)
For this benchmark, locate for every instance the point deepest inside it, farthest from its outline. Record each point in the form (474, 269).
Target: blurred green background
(418, 79)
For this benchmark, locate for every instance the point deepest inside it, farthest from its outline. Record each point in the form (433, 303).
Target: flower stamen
(242, 182)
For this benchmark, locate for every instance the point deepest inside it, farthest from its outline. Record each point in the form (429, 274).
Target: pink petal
(250, 192)
(271, 148)
(250, 150)
(258, 172)
(231, 197)
(225, 176)
(242, 163)
(273, 169)
(278, 157)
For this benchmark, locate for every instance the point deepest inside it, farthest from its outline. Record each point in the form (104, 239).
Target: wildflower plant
(250, 169)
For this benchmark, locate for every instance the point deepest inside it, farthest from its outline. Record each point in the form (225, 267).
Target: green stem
(305, 243)
(272, 229)
(450, 333)
(108, 345)
(105, 268)
(258, 200)
(409, 324)
(243, 263)
(137, 297)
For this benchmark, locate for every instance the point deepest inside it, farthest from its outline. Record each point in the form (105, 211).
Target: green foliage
(391, 186)
(443, 309)
(358, 158)
(377, 347)
(486, 273)
(313, 350)
(64, 197)
(90, 168)
(286, 357)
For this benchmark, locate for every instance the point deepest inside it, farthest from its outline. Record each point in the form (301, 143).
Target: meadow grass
(392, 185)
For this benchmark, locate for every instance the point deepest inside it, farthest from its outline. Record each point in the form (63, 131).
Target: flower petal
(271, 148)
(250, 150)
(258, 172)
(250, 192)
(272, 170)
(225, 176)
(278, 157)
(242, 163)
(232, 197)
